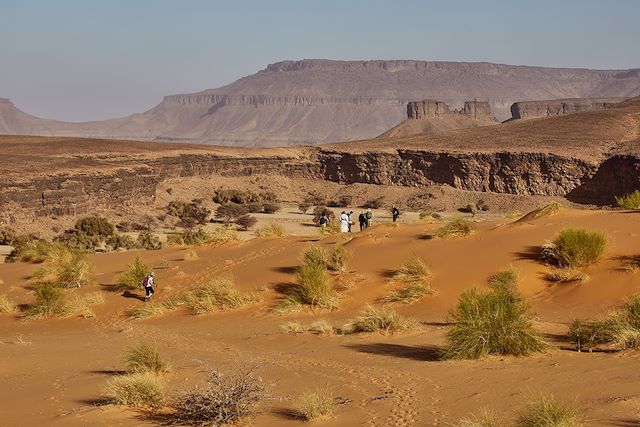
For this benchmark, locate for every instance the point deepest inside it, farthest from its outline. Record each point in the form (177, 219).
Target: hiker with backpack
(324, 220)
(147, 284)
(369, 216)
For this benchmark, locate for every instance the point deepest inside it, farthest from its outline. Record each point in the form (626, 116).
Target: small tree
(246, 222)
(230, 212)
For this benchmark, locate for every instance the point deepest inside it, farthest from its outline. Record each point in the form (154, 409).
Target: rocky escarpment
(426, 109)
(559, 107)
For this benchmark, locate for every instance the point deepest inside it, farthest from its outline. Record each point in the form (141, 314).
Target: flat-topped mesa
(432, 109)
(559, 107)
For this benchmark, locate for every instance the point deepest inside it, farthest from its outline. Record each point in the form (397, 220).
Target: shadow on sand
(420, 353)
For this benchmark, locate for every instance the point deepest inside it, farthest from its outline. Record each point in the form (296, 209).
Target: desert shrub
(470, 208)
(94, 226)
(230, 212)
(138, 390)
(373, 203)
(497, 321)
(270, 208)
(195, 237)
(629, 201)
(240, 197)
(586, 334)
(149, 241)
(190, 256)
(221, 399)
(549, 412)
(31, 249)
(313, 404)
(455, 227)
(292, 327)
(408, 294)
(245, 222)
(175, 239)
(50, 301)
(121, 241)
(6, 305)
(147, 309)
(321, 327)
(338, 258)
(484, 419)
(223, 234)
(345, 200)
(218, 294)
(312, 288)
(314, 255)
(319, 210)
(566, 275)
(133, 276)
(145, 358)
(578, 247)
(332, 228)
(303, 207)
(189, 214)
(7, 235)
(506, 279)
(482, 205)
(66, 267)
(413, 269)
(270, 230)
(382, 319)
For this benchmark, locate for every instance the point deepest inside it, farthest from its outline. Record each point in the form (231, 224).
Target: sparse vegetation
(314, 404)
(485, 419)
(7, 235)
(497, 321)
(506, 279)
(221, 399)
(149, 241)
(338, 258)
(292, 327)
(428, 215)
(133, 275)
(629, 201)
(65, 267)
(549, 412)
(190, 255)
(379, 319)
(143, 389)
(373, 203)
(318, 211)
(245, 222)
(270, 230)
(303, 207)
(31, 249)
(219, 294)
(6, 305)
(195, 237)
(223, 234)
(89, 233)
(313, 287)
(566, 275)
(578, 247)
(230, 212)
(455, 227)
(190, 214)
(50, 301)
(147, 309)
(145, 358)
(413, 269)
(407, 294)
(314, 255)
(321, 327)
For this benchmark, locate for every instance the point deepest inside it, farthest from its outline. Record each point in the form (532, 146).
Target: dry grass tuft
(145, 358)
(190, 255)
(566, 275)
(221, 399)
(383, 319)
(147, 309)
(6, 305)
(549, 412)
(338, 259)
(270, 230)
(321, 327)
(293, 327)
(50, 301)
(414, 269)
(629, 201)
(485, 419)
(506, 279)
(218, 294)
(143, 389)
(407, 294)
(223, 234)
(315, 404)
(65, 267)
(133, 275)
(456, 227)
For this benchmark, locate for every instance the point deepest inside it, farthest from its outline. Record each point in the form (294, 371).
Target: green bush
(94, 226)
(338, 258)
(314, 255)
(133, 276)
(245, 222)
(31, 249)
(497, 321)
(629, 201)
(505, 279)
(138, 390)
(145, 358)
(195, 237)
(50, 301)
(578, 247)
(230, 212)
(121, 241)
(549, 412)
(149, 241)
(219, 294)
(407, 294)
(413, 269)
(190, 214)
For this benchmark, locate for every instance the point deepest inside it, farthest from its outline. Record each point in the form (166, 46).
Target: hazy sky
(87, 59)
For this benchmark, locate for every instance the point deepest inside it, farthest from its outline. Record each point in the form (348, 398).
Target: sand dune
(57, 368)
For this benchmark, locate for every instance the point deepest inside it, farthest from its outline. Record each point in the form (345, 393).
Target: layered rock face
(426, 109)
(319, 101)
(559, 107)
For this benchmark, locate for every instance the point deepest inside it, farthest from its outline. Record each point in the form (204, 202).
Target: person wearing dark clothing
(350, 220)
(395, 213)
(362, 219)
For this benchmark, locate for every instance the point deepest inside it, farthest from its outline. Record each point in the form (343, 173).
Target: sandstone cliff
(558, 107)
(318, 101)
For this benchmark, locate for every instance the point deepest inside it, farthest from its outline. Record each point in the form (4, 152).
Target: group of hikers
(365, 219)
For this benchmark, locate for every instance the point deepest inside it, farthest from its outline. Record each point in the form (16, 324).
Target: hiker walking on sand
(395, 213)
(369, 216)
(362, 219)
(324, 219)
(344, 222)
(147, 284)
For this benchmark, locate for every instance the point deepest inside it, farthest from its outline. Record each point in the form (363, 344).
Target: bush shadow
(531, 253)
(419, 353)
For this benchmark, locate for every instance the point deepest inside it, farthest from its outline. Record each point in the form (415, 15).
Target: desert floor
(53, 371)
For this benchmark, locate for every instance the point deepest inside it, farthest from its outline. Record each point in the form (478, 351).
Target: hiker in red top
(147, 284)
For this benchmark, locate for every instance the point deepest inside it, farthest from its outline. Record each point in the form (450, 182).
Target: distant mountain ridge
(316, 101)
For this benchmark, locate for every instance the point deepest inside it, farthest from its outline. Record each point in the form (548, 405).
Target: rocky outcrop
(427, 109)
(559, 107)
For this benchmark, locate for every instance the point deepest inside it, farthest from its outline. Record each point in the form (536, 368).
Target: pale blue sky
(88, 59)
